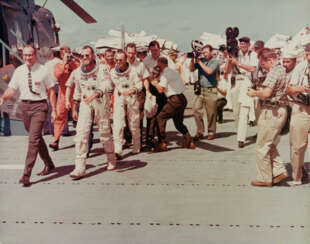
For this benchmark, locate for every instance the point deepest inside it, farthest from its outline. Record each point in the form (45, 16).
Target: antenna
(123, 36)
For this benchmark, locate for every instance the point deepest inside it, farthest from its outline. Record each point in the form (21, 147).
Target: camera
(70, 57)
(304, 99)
(231, 41)
(156, 72)
(196, 46)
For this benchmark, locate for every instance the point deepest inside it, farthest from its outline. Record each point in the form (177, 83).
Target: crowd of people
(111, 89)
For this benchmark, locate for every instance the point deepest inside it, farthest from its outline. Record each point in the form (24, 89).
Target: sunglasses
(28, 55)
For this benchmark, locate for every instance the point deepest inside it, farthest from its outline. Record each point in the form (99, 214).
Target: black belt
(273, 104)
(34, 101)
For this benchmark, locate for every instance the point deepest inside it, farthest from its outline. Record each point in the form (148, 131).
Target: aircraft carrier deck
(178, 196)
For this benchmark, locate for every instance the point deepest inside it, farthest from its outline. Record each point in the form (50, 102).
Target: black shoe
(54, 145)
(47, 170)
(240, 144)
(197, 137)
(252, 123)
(118, 156)
(305, 176)
(25, 181)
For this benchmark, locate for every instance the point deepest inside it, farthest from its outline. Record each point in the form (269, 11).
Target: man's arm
(205, 68)
(8, 93)
(263, 94)
(248, 68)
(52, 98)
(293, 90)
(192, 65)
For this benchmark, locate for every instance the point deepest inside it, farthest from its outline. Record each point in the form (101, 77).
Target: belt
(175, 95)
(273, 104)
(34, 101)
(208, 88)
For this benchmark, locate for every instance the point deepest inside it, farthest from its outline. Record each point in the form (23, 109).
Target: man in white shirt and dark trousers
(171, 83)
(35, 84)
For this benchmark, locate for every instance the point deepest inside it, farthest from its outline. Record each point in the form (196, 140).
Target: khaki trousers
(206, 100)
(299, 127)
(270, 122)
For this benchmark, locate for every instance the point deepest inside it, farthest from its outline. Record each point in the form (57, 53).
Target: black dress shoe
(47, 170)
(240, 144)
(25, 181)
(118, 156)
(197, 137)
(54, 145)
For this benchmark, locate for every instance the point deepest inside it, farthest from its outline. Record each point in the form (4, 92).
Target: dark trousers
(6, 128)
(35, 115)
(174, 109)
(220, 103)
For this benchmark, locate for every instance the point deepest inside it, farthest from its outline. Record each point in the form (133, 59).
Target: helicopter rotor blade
(77, 9)
(42, 28)
(8, 5)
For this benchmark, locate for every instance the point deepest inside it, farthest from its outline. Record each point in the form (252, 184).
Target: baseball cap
(244, 39)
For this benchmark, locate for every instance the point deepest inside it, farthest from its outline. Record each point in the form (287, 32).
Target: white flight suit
(86, 84)
(126, 106)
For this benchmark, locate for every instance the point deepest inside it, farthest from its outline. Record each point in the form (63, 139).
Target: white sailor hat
(289, 53)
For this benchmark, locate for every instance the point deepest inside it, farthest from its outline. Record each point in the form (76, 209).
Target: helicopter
(23, 22)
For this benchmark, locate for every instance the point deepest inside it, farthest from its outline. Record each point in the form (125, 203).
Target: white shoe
(77, 174)
(111, 166)
(295, 183)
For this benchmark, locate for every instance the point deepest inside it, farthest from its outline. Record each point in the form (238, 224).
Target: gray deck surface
(178, 196)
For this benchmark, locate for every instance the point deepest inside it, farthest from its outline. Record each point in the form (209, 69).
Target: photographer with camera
(299, 89)
(243, 105)
(206, 96)
(62, 72)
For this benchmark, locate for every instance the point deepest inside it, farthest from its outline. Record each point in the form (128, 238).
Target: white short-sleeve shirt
(172, 81)
(300, 74)
(41, 81)
(140, 69)
(249, 59)
(150, 62)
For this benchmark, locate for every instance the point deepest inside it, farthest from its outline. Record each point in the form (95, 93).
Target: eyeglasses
(85, 56)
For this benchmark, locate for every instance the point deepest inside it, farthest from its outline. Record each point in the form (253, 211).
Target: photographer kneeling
(207, 97)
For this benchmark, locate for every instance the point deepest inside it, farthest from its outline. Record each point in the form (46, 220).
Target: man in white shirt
(299, 89)
(35, 85)
(171, 83)
(243, 105)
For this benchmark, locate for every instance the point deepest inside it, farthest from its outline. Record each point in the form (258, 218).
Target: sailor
(92, 89)
(272, 117)
(127, 85)
(35, 84)
(243, 105)
(299, 89)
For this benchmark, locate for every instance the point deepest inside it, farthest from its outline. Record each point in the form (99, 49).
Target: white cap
(289, 53)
